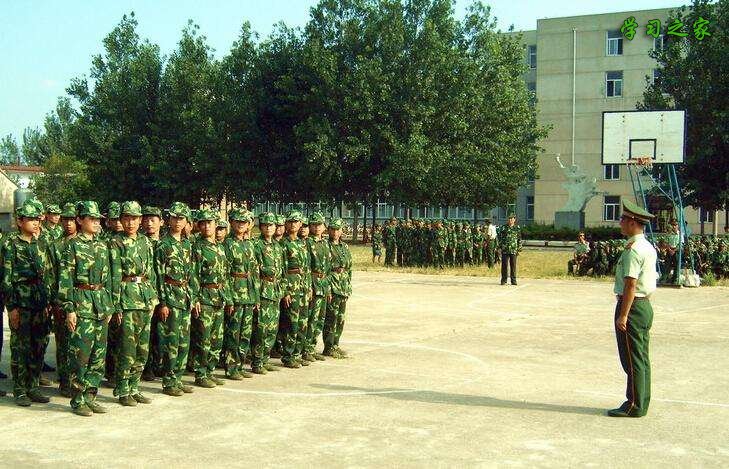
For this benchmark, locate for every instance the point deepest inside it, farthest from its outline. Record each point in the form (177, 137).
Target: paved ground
(444, 371)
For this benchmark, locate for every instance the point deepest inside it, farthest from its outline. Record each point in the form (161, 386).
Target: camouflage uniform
(134, 287)
(154, 360)
(173, 268)
(341, 284)
(27, 279)
(210, 287)
(85, 288)
(245, 284)
(270, 255)
(509, 238)
(389, 237)
(113, 211)
(60, 330)
(320, 256)
(477, 245)
(294, 285)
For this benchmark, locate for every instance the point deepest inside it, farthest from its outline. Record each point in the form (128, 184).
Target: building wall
(554, 78)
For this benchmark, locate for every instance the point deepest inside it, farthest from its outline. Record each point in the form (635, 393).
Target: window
(532, 56)
(452, 212)
(614, 84)
(614, 42)
(706, 216)
(612, 172)
(656, 77)
(611, 211)
(465, 212)
(659, 43)
(530, 207)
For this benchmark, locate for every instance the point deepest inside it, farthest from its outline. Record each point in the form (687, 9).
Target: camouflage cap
(280, 219)
(239, 214)
(304, 220)
(179, 209)
(267, 218)
(113, 210)
(28, 211)
(316, 217)
(88, 208)
(294, 215)
(53, 208)
(36, 203)
(336, 224)
(512, 215)
(69, 210)
(194, 214)
(222, 224)
(151, 210)
(205, 214)
(131, 207)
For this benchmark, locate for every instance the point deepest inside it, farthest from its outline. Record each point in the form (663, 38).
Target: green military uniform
(270, 255)
(85, 289)
(154, 360)
(320, 256)
(27, 279)
(377, 244)
(210, 288)
(440, 244)
(294, 317)
(509, 239)
(52, 232)
(60, 329)
(638, 261)
(173, 268)
(134, 287)
(478, 240)
(341, 285)
(113, 212)
(245, 283)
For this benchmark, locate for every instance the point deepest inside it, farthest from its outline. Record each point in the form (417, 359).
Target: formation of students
(155, 294)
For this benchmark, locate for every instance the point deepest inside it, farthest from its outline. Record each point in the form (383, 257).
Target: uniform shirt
(133, 257)
(86, 260)
(27, 273)
(341, 282)
(637, 261)
(582, 248)
(243, 259)
(491, 231)
(173, 261)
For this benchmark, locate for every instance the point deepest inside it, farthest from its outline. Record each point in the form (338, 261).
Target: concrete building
(581, 66)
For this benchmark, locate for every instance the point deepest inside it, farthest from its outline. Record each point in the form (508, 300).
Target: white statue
(579, 188)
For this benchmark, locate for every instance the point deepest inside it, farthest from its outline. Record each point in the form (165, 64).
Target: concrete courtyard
(443, 372)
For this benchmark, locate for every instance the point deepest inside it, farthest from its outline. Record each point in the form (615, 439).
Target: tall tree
(694, 76)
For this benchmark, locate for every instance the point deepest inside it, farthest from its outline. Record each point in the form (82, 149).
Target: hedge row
(550, 233)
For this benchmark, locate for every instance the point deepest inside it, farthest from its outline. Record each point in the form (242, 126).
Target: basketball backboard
(629, 135)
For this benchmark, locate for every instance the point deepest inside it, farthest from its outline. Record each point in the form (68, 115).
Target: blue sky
(45, 43)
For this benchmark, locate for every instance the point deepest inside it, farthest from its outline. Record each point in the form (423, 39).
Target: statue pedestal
(573, 220)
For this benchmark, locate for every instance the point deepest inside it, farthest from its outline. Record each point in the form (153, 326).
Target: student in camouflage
(114, 228)
(152, 226)
(270, 255)
(27, 279)
(135, 295)
(320, 258)
(173, 269)
(211, 296)
(70, 230)
(296, 292)
(52, 230)
(245, 284)
(341, 284)
(509, 238)
(85, 293)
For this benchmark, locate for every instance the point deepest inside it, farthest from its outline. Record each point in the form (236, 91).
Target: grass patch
(531, 264)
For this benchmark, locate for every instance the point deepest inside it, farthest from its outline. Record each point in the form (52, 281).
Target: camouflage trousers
(206, 339)
(477, 255)
(237, 340)
(174, 342)
(389, 254)
(294, 321)
(86, 352)
(334, 322)
(439, 254)
(317, 312)
(112, 349)
(490, 253)
(132, 351)
(265, 326)
(27, 344)
(62, 334)
(154, 359)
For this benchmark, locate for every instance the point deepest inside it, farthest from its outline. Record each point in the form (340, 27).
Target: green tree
(9, 151)
(64, 179)
(694, 76)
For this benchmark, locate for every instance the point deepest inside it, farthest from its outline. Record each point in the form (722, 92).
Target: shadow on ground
(436, 397)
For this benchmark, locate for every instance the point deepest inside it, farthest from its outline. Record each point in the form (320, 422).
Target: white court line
(673, 401)
(703, 308)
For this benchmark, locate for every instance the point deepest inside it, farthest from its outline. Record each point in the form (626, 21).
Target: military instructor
(635, 280)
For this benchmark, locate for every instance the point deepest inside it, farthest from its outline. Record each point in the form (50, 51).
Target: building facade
(580, 66)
